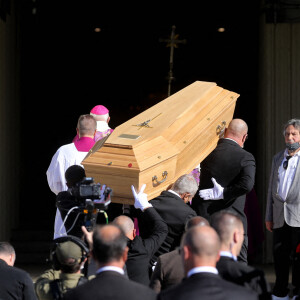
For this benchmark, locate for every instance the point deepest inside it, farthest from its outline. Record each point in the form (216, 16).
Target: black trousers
(285, 242)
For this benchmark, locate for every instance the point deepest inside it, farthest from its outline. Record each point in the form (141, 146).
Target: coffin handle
(220, 130)
(157, 182)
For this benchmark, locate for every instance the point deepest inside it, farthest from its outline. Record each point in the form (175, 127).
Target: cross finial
(172, 42)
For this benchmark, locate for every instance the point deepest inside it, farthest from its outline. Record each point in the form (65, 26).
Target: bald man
(227, 175)
(200, 248)
(169, 268)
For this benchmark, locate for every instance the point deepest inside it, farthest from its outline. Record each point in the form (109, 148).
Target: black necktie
(286, 162)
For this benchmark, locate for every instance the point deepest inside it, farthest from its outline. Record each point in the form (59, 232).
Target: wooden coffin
(162, 143)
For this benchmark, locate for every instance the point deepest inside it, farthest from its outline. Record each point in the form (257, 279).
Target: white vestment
(64, 157)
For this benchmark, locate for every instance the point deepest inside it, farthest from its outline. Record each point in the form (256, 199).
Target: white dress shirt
(286, 177)
(110, 268)
(202, 270)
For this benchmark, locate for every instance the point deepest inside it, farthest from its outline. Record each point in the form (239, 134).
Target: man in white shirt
(66, 156)
(283, 211)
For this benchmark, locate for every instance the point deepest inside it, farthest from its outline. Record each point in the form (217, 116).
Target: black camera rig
(91, 199)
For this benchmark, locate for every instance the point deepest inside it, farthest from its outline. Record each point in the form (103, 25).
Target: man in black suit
(173, 206)
(227, 175)
(230, 229)
(109, 249)
(200, 251)
(14, 283)
(141, 250)
(169, 269)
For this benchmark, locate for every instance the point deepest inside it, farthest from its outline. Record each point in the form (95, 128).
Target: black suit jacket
(15, 283)
(234, 169)
(110, 285)
(141, 250)
(244, 275)
(176, 213)
(207, 286)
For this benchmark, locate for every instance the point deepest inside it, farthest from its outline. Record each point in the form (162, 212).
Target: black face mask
(292, 147)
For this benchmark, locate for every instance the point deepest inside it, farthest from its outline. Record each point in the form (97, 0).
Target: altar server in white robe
(66, 156)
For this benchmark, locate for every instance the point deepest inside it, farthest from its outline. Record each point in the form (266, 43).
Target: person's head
(186, 186)
(69, 255)
(127, 225)
(237, 130)
(100, 113)
(230, 229)
(200, 247)
(7, 253)
(109, 245)
(196, 221)
(86, 126)
(291, 134)
(74, 174)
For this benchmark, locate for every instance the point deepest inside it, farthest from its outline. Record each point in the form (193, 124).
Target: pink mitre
(99, 110)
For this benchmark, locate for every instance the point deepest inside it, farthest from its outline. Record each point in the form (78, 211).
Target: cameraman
(71, 204)
(68, 256)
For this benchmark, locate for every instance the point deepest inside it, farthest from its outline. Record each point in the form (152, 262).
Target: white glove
(140, 199)
(215, 193)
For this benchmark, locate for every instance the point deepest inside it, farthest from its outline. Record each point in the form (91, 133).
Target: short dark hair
(70, 269)
(224, 222)
(196, 221)
(86, 125)
(109, 243)
(74, 174)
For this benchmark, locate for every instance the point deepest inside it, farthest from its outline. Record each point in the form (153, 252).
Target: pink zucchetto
(99, 110)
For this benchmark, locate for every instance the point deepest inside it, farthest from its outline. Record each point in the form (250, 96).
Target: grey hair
(100, 117)
(293, 122)
(185, 184)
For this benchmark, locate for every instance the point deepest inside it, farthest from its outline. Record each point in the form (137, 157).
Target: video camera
(92, 198)
(88, 190)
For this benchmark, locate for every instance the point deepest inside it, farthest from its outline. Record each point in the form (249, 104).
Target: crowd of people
(190, 242)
